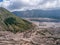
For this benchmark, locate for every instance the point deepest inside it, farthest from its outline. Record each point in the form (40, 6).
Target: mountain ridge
(55, 14)
(10, 22)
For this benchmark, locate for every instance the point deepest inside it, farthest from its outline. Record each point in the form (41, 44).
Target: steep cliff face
(10, 22)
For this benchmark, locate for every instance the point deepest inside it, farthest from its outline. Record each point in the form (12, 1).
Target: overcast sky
(19, 5)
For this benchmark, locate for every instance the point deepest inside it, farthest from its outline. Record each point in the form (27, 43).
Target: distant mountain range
(39, 13)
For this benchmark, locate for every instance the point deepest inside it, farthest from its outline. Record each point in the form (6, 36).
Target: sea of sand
(44, 24)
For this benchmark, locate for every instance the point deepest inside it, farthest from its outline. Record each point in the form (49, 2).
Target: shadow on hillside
(10, 21)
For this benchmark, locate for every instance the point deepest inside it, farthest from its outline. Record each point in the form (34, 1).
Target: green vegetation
(10, 22)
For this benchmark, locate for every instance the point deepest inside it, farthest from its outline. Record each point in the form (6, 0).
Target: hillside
(39, 13)
(24, 32)
(10, 22)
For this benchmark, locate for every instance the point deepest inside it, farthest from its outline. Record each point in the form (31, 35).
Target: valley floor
(45, 22)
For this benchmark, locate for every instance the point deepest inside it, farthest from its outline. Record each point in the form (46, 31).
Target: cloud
(0, 4)
(13, 5)
(49, 5)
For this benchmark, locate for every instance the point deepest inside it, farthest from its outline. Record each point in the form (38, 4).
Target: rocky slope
(31, 37)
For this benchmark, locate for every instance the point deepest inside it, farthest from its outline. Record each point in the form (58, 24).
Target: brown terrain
(32, 37)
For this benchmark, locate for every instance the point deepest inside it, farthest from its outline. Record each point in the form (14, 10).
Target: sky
(20, 5)
(1, 0)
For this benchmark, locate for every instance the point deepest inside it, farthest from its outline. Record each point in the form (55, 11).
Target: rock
(33, 37)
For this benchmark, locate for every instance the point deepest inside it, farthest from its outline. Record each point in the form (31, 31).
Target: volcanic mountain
(10, 22)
